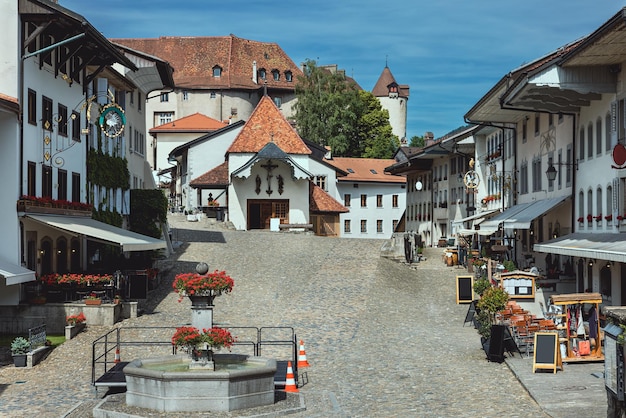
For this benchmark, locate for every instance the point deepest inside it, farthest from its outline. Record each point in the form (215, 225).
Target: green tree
(327, 109)
(374, 133)
(416, 141)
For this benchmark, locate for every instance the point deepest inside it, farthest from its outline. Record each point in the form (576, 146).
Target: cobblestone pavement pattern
(383, 339)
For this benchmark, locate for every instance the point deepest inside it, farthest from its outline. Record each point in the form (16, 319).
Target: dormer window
(288, 76)
(393, 90)
(275, 75)
(262, 74)
(217, 71)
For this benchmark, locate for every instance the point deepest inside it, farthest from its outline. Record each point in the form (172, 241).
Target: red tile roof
(194, 57)
(267, 124)
(320, 201)
(366, 170)
(217, 176)
(192, 123)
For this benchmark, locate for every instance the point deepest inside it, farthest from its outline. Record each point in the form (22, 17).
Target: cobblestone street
(383, 339)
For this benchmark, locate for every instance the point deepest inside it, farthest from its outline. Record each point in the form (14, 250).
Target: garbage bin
(219, 214)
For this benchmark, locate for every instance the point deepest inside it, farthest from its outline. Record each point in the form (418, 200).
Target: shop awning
(99, 231)
(521, 216)
(473, 217)
(15, 274)
(605, 246)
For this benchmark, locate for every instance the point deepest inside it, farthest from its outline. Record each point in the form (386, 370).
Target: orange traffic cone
(302, 362)
(117, 355)
(290, 383)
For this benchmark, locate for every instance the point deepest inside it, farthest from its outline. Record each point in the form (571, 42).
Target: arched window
(581, 143)
(581, 206)
(61, 255)
(590, 203)
(262, 74)
(217, 71)
(590, 140)
(288, 76)
(75, 255)
(599, 136)
(599, 202)
(607, 132)
(609, 201)
(275, 75)
(45, 256)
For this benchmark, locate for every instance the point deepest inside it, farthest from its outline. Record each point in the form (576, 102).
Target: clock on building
(112, 120)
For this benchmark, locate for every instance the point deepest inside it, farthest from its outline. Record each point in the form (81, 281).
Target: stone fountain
(229, 382)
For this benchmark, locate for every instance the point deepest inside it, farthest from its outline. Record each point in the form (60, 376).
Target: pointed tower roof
(267, 124)
(381, 88)
(386, 78)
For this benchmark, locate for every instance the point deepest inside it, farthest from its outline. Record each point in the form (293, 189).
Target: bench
(295, 226)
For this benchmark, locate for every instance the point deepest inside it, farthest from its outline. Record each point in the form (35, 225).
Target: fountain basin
(166, 384)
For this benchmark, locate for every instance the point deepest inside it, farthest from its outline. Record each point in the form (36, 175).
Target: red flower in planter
(581, 219)
(609, 218)
(598, 218)
(589, 218)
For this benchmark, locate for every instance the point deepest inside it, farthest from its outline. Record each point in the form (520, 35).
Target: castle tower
(393, 97)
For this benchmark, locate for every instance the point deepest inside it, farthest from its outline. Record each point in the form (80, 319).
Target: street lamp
(551, 171)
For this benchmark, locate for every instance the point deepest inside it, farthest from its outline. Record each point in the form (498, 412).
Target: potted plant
(93, 299)
(200, 344)
(75, 324)
(481, 285)
(207, 285)
(75, 319)
(509, 265)
(19, 348)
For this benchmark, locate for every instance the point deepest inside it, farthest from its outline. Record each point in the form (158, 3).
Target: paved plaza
(383, 339)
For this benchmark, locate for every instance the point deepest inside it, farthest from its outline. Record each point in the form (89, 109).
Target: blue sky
(450, 52)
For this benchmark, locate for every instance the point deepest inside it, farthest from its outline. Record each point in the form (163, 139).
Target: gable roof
(179, 150)
(192, 123)
(217, 176)
(271, 152)
(194, 57)
(366, 170)
(320, 201)
(267, 124)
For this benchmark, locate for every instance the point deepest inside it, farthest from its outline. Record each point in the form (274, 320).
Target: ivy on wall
(108, 217)
(148, 210)
(107, 171)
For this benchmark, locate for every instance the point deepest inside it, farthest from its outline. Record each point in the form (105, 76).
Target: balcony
(42, 205)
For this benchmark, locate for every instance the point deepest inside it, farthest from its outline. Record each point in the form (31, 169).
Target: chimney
(254, 72)
(429, 138)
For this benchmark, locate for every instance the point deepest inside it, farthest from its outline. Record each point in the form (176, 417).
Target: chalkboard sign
(471, 310)
(546, 351)
(496, 344)
(464, 289)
